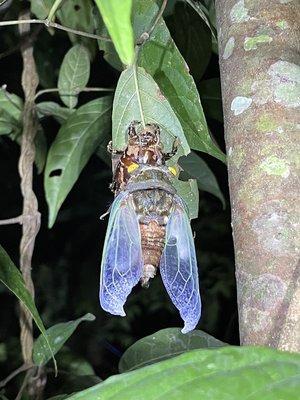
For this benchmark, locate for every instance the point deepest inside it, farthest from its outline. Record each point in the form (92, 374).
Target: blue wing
(122, 262)
(178, 268)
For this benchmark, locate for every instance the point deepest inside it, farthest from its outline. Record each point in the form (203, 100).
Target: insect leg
(175, 147)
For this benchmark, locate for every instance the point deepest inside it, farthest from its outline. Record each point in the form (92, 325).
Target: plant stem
(55, 25)
(30, 226)
(87, 89)
(53, 10)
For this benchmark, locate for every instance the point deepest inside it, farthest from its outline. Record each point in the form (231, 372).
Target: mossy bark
(259, 61)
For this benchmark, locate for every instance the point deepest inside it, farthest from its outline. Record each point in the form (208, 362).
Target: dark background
(66, 263)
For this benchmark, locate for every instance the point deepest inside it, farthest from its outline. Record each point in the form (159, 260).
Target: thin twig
(7, 95)
(10, 221)
(146, 35)
(158, 17)
(86, 89)
(57, 26)
(23, 386)
(13, 374)
(53, 9)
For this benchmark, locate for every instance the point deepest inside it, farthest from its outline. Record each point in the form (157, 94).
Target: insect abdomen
(153, 240)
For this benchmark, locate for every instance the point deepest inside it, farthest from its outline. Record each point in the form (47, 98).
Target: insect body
(148, 229)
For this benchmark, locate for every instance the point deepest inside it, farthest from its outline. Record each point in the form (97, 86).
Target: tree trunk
(260, 74)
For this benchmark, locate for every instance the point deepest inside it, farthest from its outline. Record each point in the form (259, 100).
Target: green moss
(265, 123)
(228, 50)
(273, 165)
(282, 24)
(251, 43)
(239, 13)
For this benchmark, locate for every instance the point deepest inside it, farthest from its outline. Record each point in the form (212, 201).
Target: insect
(148, 229)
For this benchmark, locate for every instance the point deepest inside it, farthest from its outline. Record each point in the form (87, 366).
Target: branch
(16, 372)
(7, 95)
(51, 24)
(10, 221)
(87, 89)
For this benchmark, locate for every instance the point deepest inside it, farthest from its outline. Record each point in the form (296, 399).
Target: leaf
(164, 344)
(40, 149)
(52, 109)
(11, 277)
(188, 191)
(73, 75)
(228, 373)
(199, 170)
(162, 60)
(57, 336)
(193, 38)
(10, 114)
(204, 13)
(211, 97)
(75, 14)
(116, 15)
(75, 142)
(41, 8)
(137, 97)
(110, 53)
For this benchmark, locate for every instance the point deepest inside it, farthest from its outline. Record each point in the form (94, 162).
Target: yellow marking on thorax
(173, 170)
(132, 167)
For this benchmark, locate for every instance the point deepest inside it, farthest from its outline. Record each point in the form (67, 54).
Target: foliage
(170, 78)
(247, 372)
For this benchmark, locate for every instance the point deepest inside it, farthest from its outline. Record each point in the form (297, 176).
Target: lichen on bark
(260, 77)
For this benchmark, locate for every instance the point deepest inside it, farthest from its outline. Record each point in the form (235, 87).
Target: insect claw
(105, 214)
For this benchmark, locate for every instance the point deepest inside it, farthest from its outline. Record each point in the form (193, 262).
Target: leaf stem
(86, 89)
(53, 10)
(51, 24)
(136, 83)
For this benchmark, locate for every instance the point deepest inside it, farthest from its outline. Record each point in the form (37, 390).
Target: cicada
(148, 229)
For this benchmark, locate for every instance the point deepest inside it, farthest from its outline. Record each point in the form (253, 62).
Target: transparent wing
(178, 268)
(121, 266)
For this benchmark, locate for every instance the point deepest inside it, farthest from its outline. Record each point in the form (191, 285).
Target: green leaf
(74, 74)
(116, 15)
(188, 191)
(59, 397)
(40, 149)
(11, 277)
(228, 373)
(110, 53)
(74, 144)
(41, 8)
(193, 38)
(52, 109)
(162, 60)
(199, 170)
(164, 344)
(10, 114)
(75, 14)
(137, 97)
(211, 97)
(57, 336)
(204, 13)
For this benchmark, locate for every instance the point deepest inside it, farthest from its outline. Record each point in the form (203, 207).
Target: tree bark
(260, 74)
